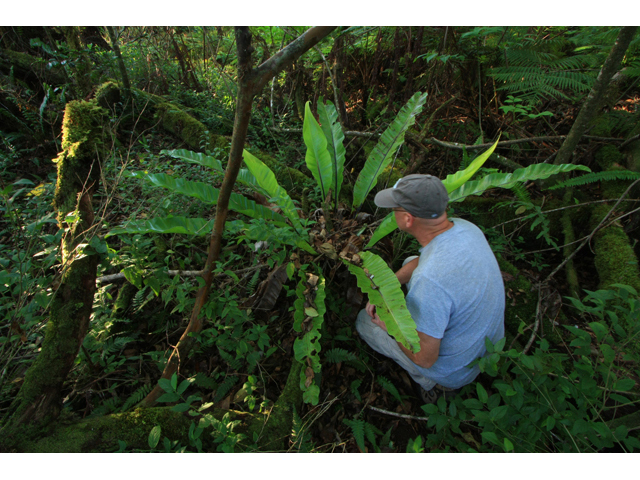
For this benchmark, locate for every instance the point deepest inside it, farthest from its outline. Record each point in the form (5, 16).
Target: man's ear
(409, 219)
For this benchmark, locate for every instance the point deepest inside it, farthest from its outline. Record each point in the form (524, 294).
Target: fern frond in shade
(594, 177)
(534, 75)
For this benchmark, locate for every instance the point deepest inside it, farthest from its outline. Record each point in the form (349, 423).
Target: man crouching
(455, 291)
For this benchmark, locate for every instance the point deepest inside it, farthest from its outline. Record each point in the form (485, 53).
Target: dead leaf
(226, 403)
(363, 217)
(310, 376)
(507, 277)
(268, 290)
(312, 279)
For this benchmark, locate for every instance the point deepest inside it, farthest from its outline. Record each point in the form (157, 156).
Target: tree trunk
(39, 399)
(593, 102)
(123, 70)
(83, 63)
(250, 82)
(396, 66)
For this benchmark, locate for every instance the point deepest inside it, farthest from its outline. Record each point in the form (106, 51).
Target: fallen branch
(628, 141)
(399, 415)
(535, 325)
(172, 273)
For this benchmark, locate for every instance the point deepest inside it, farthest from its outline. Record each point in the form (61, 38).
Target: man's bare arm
(429, 346)
(404, 274)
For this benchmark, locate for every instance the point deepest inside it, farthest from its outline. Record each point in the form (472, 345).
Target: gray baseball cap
(423, 196)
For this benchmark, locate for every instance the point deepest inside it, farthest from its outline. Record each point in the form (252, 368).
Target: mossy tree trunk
(83, 62)
(596, 95)
(39, 398)
(123, 70)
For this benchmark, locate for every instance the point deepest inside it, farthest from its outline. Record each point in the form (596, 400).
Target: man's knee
(364, 324)
(408, 259)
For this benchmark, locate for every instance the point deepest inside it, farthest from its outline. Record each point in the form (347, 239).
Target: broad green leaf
(491, 437)
(154, 436)
(184, 385)
(335, 138)
(166, 385)
(312, 394)
(181, 407)
(460, 178)
(482, 393)
(306, 349)
(539, 171)
(244, 176)
(169, 397)
(267, 180)
(387, 226)
(508, 446)
(386, 147)
(208, 194)
(183, 225)
(318, 159)
(624, 384)
(384, 291)
(134, 274)
(196, 157)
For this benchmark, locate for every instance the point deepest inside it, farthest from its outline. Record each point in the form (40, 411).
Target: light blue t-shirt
(456, 294)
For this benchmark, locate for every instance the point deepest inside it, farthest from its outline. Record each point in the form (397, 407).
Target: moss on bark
(101, 434)
(39, 399)
(615, 259)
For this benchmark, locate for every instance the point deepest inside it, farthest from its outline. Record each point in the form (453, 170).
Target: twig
(399, 415)
(535, 325)
(185, 273)
(628, 141)
(579, 240)
(564, 208)
(348, 133)
(459, 146)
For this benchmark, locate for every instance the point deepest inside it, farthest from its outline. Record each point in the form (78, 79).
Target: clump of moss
(601, 126)
(608, 156)
(108, 94)
(615, 259)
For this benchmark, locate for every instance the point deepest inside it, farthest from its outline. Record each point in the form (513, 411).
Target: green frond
(383, 152)
(521, 193)
(377, 280)
(225, 387)
(208, 194)
(183, 225)
(357, 427)
(389, 387)
(136, 397)
(337, 355)
(317, 158)
(539, 171)
(267, 180)
(593, 177)
(335, 138)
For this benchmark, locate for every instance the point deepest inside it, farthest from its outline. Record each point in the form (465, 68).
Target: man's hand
(371, 311)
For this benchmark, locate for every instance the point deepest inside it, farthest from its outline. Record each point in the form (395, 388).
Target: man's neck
(428, 232)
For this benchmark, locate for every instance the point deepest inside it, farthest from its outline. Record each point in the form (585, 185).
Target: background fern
(593, 177)
(337, 355)
(533, 74)
(389, 387)
(136, 397)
